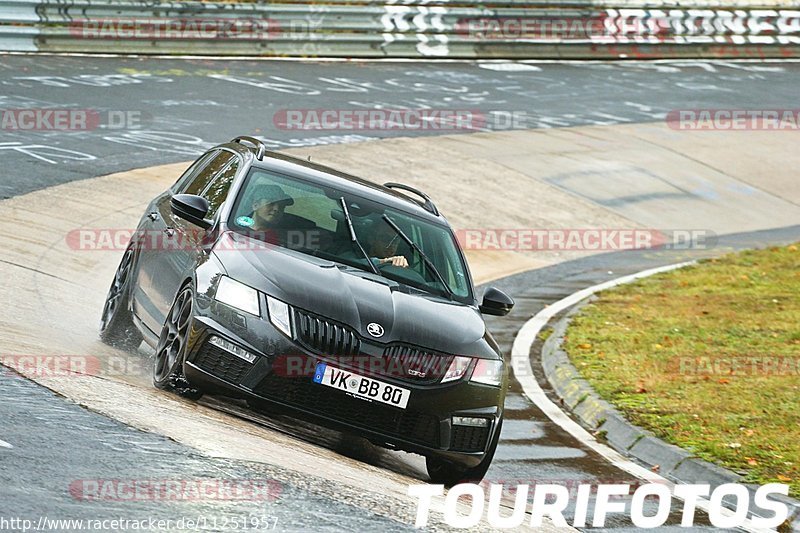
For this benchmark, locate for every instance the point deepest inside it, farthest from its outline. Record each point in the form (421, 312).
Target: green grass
(661, 350)
(545, 333)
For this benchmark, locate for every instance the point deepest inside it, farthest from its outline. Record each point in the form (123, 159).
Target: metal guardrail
(415, 28)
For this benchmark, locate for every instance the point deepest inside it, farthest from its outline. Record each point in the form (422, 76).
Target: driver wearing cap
(269, 216)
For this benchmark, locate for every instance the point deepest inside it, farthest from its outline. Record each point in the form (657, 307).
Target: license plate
(361, 387)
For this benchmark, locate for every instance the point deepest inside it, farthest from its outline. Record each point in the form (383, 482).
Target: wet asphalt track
(50, 474)
(186, 106)
(182, 106)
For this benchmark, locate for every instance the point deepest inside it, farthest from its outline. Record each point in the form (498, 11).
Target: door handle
(153, 216)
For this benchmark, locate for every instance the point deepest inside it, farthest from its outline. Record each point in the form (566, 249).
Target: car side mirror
(191, 208)
(496, 302)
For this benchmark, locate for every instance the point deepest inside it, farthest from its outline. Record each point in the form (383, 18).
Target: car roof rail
(428, 204)
(260, 147)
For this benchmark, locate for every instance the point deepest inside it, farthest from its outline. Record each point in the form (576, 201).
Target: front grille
(322, 336)
(412, 426)
(221, 364)
(402, 362)
(415, 365)
(468, 438)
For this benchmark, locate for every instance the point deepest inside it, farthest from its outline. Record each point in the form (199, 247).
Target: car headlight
(488, 372)
(279, 315)
(457, 368)
(238, 295)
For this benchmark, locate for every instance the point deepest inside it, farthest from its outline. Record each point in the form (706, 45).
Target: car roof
(323, 174)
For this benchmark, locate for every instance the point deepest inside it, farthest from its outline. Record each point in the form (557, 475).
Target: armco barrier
(416, 28)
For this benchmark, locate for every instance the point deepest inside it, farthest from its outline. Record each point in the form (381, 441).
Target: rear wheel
(446, 473)
(171, 348)
(116, 324)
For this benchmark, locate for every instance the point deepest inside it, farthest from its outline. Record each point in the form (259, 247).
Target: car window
(314, 207)
(308, 202)
(193, 170)
(307, 217)
(217, 191)
(199, 183)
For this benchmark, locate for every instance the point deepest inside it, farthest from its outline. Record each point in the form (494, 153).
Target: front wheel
(171, 348)
(116, 324)
(445, 473)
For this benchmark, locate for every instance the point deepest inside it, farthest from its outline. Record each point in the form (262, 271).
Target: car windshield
(308, 217)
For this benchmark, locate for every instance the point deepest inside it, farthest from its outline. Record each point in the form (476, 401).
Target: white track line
(520, 355)
(4, 444)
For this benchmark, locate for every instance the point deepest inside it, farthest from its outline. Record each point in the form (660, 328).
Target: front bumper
(424, 426)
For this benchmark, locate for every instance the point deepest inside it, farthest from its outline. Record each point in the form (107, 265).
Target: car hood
(357, 298)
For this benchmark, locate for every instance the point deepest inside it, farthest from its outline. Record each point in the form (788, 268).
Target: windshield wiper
(354, 238)
(424, 257)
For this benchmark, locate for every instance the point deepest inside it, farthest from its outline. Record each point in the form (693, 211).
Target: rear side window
(200, 182)
(193, 170)
(217, 191)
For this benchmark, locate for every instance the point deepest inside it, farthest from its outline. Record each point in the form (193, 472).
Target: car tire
(171, 348)
(116, 323)
(446, 473)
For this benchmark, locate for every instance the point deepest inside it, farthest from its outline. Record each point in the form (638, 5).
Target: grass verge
(706, 357)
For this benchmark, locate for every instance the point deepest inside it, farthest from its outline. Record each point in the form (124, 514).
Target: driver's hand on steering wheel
(397, 260)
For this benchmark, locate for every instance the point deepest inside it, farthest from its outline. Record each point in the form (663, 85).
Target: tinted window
(217, 192)
(199, 183)
(192, 171)
(308, 217)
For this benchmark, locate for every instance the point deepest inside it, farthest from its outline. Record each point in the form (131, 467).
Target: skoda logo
(375, 329)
